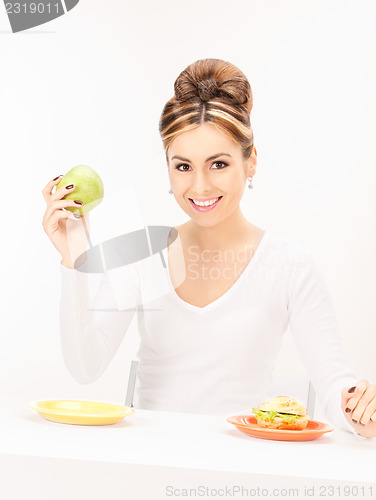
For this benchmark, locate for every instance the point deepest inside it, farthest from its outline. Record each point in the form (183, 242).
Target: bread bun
(280, 412)
(283, 404)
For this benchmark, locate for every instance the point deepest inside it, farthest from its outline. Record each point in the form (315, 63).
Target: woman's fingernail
(352, 389)
(70, 187)
(78, 202)
(347, 410)
(56, 178)
(355, 421)
(77, 216)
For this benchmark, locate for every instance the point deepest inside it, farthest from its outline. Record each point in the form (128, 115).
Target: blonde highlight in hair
(214, 91)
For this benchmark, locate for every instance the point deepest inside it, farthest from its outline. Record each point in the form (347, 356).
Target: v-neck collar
(228, 292)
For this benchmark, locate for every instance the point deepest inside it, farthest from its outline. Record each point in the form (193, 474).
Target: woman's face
(205, 164)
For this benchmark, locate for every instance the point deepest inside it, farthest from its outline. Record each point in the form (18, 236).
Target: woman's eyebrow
(210, 157)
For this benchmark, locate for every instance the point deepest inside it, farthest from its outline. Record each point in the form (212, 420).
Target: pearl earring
(170, 191)
(250, 186)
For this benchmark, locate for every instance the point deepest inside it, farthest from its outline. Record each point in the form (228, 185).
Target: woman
(209, 339)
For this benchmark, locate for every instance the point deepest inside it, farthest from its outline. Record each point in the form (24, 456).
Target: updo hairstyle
(214, 91)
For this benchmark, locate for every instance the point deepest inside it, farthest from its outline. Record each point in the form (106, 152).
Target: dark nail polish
(347, 410)
(78, 202)
(77, 216)
(56, 178)
(355, 421)
(70, 187)
(352, 389)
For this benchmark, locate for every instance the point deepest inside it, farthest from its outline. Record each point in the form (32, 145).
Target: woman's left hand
(359, 407)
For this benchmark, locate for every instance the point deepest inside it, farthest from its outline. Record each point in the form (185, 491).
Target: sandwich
(281, 412)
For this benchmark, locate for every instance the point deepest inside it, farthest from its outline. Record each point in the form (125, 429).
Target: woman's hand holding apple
(64, 229)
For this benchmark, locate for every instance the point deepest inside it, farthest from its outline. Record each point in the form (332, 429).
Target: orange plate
(248, 424)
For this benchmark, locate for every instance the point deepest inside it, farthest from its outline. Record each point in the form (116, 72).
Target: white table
(157, 455)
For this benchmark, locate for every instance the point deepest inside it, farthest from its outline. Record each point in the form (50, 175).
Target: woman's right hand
(67, 232)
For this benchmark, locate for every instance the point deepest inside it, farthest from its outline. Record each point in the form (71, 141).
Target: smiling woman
(210, 324)
(206, 181)
(206, 125)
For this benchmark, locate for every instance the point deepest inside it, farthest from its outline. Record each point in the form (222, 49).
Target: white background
(89, 88)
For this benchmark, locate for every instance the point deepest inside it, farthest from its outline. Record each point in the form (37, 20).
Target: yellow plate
(68, 411)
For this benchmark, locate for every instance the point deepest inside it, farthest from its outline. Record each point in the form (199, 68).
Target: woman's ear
(253, 162)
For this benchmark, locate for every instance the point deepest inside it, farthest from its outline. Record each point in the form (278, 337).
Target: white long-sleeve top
(216, 359)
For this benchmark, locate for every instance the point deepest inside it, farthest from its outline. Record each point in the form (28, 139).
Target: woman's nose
(200, 184)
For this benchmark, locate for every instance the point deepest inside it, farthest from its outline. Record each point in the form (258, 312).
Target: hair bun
(214, 91)
(210, 89)
(204, 80)
(207, 89)
(187, 89)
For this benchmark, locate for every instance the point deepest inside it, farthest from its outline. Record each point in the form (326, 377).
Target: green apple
(88, 188)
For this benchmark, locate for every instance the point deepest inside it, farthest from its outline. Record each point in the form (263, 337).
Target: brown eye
(221, 162)
(181, 165)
